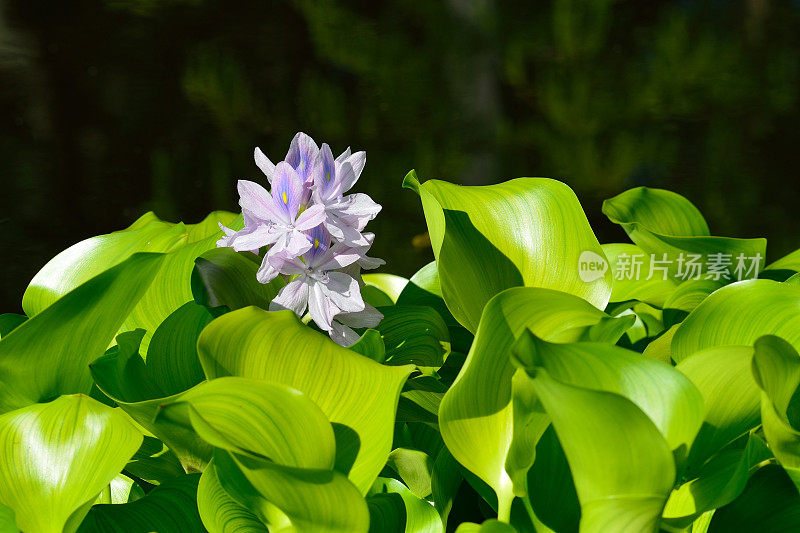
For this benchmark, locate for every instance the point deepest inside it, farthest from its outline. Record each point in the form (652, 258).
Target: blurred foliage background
(112, 108)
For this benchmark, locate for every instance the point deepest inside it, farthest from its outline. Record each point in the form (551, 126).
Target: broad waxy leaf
(769, 503)
(171, 287)
(413, 335)
(221, 513)
(393, 508)
(622, 467)
(168, 508)
(648, 286)
(475, 415)
(358, 395)
(56, 458)
(776, 368)
(49, 354)
(666, 224)
(738, 314)
(389, 284)
(527, 231)
(225, 277)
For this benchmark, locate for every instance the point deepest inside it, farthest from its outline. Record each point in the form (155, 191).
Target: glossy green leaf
(649, 286)
(389, 284)
(475, 415)
(123, 376)
(55, 458)
(370, 345)
(686, 298)
(776, 368)
(168, 508)
(49, 354)
(622, 467)
(358, 395)
(393, 508)
(667, 397)
(769, 503)
(662, 222)
(415, 468)
(739, 314)
(221, 513)
(527, 231)
(9, 322)
(731, 397)
(414, 335)
(225, 277)
(490, 526)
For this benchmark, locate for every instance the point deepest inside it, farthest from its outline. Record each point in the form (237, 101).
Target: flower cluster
(313, 234)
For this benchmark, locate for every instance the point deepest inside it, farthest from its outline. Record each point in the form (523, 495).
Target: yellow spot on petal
(328, 177)
(316, 243)
(285, 200)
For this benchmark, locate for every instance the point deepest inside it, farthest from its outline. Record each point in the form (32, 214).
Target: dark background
(112, 108)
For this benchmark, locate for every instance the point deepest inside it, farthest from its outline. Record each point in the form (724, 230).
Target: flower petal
(368, 318)
(285, 263)
(343, 291)
(342, 335)
(344, 155)
(263, 162)
(287, 190)
(325, 179)
(252, 239)
(310, 218)
(357, 163)
(296, 242)
(293, 296)
(302, 154)
(266, 272)
(256, 202)
(320, 307)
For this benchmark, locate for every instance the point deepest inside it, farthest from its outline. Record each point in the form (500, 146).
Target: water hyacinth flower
(312, 234)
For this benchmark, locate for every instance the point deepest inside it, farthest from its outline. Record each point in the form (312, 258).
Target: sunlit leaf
(56, 458)
(527, 231)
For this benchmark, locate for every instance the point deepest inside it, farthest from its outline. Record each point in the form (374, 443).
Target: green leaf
(219, 511)
(652, 289)
(123, 376)
(9, 322)
(790, 262)
(622, 467)
(168, 508)
(718, 483)
(776, 368)
(225, 277)
(56, 457)
(393, 508)
(48, 354)
(389, 284)
(739, 314)
(686, 298)
(475, 415)
(769, 503)
(667, 397)
(662, 222)
(414, 467)
(358, 395)
(7, 522)
(527, 231)
(370, 345)
(731, 397)
(414, 335)
(171, 287)
(490, 526)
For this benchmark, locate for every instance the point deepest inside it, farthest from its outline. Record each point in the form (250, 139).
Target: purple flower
(318, 286)
(345, 216)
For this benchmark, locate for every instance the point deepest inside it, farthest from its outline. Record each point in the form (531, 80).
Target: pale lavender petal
(263, 162)
(345, 233)
(285, 263)
(338, 256)
(343, 156)
(256, 201)
(302, 154)
(320, 307)
(287, 190)
(310, 218)
(343, 291)
(368, 318)
(293, 296)
(342, 335)
(296, 243)
(320, 241)
(247, 240)
(345, 177)
(370, 263)
(266, 272)
(358, 205)
(357, 162)
(325, 172)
